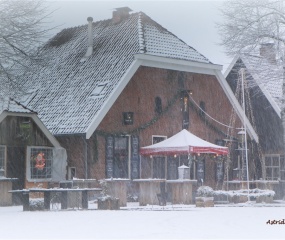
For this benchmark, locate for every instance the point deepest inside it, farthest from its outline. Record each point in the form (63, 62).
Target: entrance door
(16, 168)
(121, 157)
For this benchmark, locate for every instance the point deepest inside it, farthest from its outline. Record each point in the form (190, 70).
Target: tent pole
(151, 167)
(165, 168)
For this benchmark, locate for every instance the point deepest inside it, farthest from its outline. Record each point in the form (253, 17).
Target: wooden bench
(47, 196)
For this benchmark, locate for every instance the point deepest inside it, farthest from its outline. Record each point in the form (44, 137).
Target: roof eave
(177, 64)
(111, 100)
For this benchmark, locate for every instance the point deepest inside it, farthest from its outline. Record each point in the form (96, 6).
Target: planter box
(204, 201)
(264, 199)
(108, 204)
(221, 199)
(238, 199)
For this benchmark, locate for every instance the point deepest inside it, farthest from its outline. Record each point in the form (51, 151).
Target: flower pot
(108, 203)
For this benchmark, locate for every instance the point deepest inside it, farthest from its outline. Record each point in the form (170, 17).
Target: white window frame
(158, 136)
(271, 156)
(5, 158)
(28, 164)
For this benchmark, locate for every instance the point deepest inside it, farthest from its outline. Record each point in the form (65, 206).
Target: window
(122, 157)
(40, 162)
(3, 157)
(98, 91)
(158, 105)
(273, 167)
(157, 138)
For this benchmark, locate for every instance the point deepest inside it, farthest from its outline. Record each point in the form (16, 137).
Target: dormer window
(98, 91)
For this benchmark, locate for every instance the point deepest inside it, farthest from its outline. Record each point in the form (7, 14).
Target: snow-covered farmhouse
(113, 86)
(263, 77)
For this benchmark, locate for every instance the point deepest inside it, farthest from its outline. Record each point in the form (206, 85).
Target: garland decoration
(147, 124)
(158, 116)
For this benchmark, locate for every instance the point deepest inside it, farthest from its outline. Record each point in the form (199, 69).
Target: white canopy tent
(183, 142)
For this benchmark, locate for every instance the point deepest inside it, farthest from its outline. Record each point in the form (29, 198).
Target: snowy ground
(243, 221)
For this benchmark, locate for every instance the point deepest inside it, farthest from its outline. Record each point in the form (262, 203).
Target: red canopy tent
(183, 142)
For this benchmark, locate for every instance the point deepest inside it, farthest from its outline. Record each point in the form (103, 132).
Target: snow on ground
(239, 221)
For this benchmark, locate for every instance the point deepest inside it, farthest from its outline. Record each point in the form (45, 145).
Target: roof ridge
(165, 29)
(19, 104)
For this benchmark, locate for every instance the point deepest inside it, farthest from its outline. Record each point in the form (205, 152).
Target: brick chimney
(267, 51)
(121, 14)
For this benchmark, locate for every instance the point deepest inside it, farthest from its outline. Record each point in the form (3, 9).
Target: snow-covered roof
(268, 75)
(11, 105)
(68, 93)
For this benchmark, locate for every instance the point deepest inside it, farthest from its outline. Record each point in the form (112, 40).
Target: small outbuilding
(29, 153)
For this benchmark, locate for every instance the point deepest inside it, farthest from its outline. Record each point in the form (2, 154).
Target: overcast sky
(194, 22)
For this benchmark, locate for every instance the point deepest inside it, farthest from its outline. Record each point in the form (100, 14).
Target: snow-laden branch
(22, 32)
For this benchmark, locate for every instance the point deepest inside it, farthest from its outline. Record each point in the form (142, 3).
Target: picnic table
(47, 196)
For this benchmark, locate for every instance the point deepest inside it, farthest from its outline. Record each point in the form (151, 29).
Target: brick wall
(139, 97)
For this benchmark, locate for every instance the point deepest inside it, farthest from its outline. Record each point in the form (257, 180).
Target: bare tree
(247, 25)
(22, 29)
(250, 23)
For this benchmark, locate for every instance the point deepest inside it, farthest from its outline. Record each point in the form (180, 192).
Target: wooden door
(16, 168)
